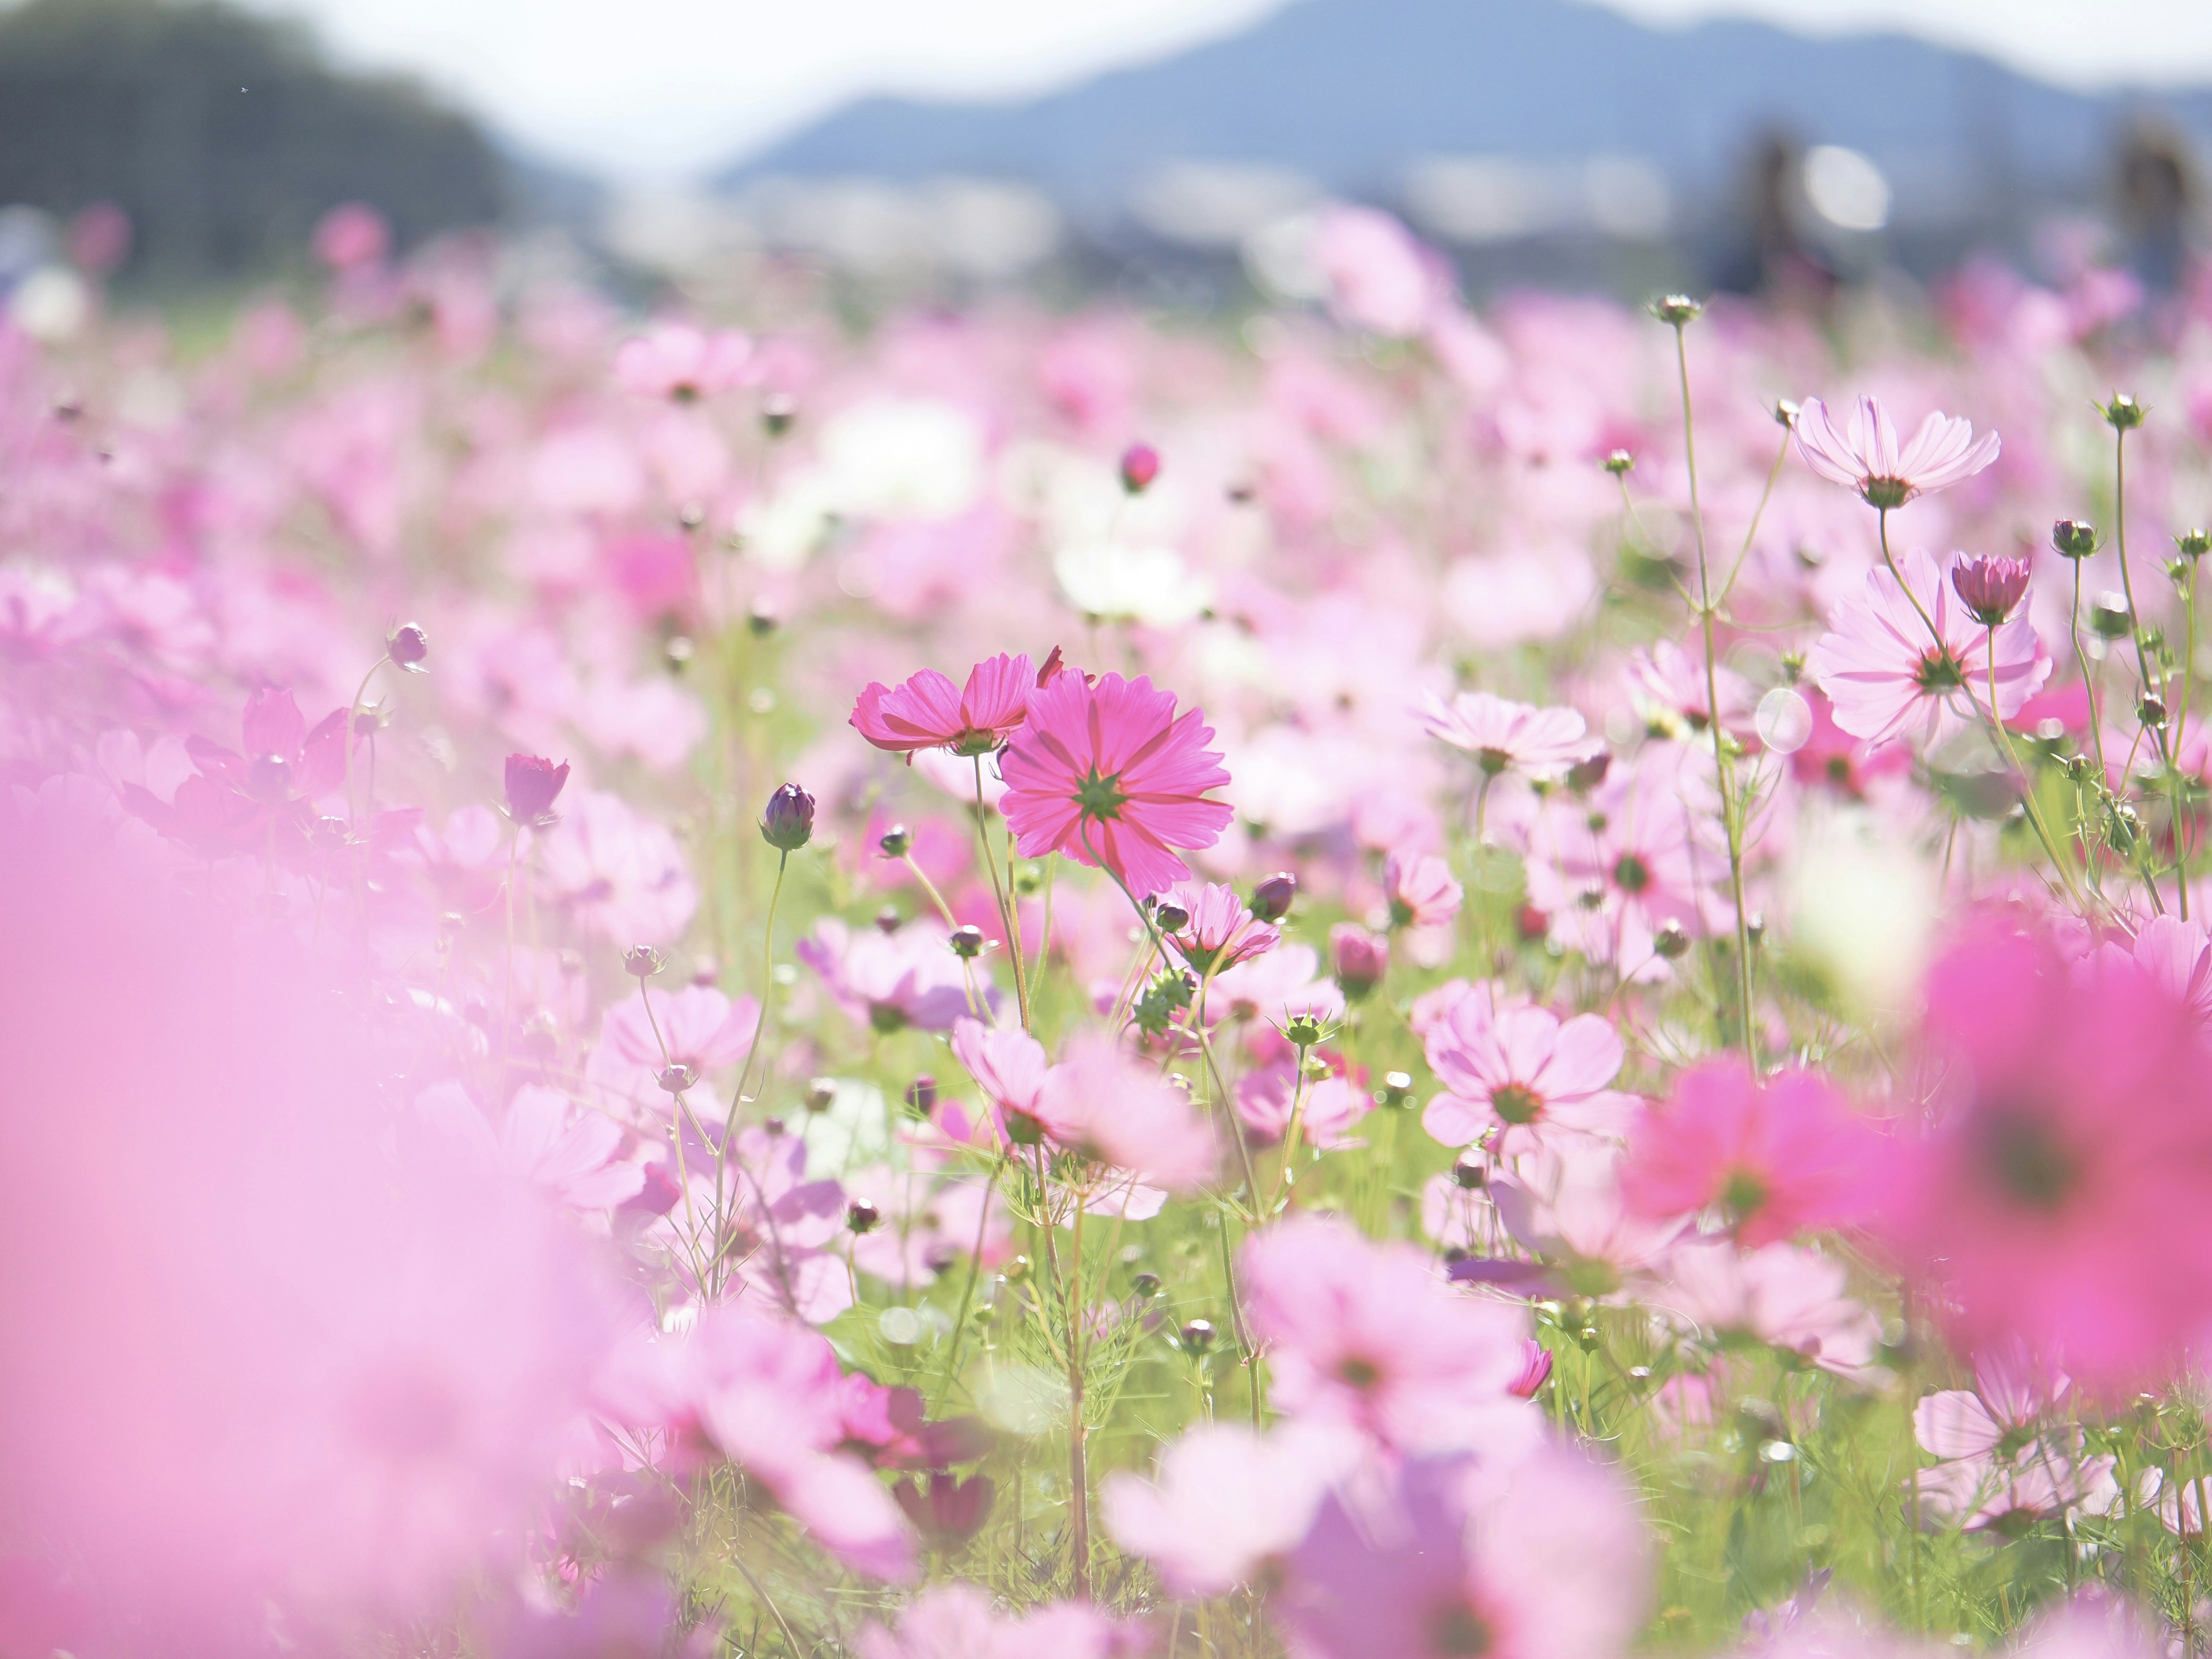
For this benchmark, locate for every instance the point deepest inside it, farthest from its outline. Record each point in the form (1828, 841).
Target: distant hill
(1349, 93)
(222, 134)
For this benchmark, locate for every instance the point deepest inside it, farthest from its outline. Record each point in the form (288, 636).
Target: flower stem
(768, 998)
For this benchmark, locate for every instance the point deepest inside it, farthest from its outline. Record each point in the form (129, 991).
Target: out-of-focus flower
(1379, 278)
(1099, 1100)
(1867, 457)
(2004, 1464)
(1225, 1502)
(621, 875)
(927, 711)
(1779, 1294)
(544, 1138)
(2052, 1199)
(1508, 736)
(1110, 774)
(1326, 1107)
(1359, 958)
(959, 1621)
(1523, 1075)
(681, 363)
(1421, 890)
(697, 1027)
(890, 981)
(352, 236)
(1775, 1158)
(1141, 464)
(1889, 676)
(1365, 1334)
(533, 784)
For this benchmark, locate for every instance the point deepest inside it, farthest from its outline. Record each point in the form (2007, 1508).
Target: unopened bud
(921, 1095)
(1397, 1089)
(1785, 413)
(862, 1216)
(2074, 538)
(968, 941)
(2123, 413)
(1676, 309)
(1272, 898)
(1671, 940)
(2151, 710)
(788, 823)
(675, 1079)
(1585, 775)
(407, 645)
(821, 1094)
(761, 618)
(1471, 1173)
(2108, 615)
(2194, 543)
(888, 920)
(1170, 918)
(895, 840)
(1619, 462)
(643, 961)
(1147, 1285)
(1530, 924)
(1141, 464)
(1303, 1031)
(1197, 1336)
(778, 410)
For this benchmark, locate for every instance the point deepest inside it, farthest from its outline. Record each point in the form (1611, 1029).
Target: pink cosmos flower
(1380, 278)
(1365, 1334)
(1508, 736)
(1359, 958)
(1421, 890)
(1565, 1203)
(1889, 677)
(928, 712)
(2004, 1464)
(1867, 458)
(621, 875)
(681, 363)
(1220, 931)
(1327, 1107)
(698, 1028)
(1276, 988)
(1523, 1074)
(1608, 880)
(1777, 1159)
(959, 1620)
(1225, 1502)
(1991, 588)
(545, 1139)
(1112, 777)
(2055, 1200)
(1442, 1558)
(1781, 1295)
(1100, 1100)
(889, 982)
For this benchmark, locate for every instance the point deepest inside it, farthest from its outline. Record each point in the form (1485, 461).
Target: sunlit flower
(929, 711)
(1867, 458)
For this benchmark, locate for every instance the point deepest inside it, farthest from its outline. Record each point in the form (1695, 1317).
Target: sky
(661, 90)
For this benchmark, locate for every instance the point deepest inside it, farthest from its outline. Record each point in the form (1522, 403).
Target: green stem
(768, 997)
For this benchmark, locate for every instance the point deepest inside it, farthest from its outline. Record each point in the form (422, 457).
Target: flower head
(1508, 736)
(1217, 931)
(1867, 458)
(1522, 1073)
(788, 822)
(928, 712)
(1112, 777)
(1421, 889)
(1992, 587)
(533, 784)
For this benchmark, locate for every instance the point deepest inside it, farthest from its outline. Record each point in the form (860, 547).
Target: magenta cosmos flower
(1776, 1159)
(1112, 777)
(929, 711)
(1867, 458)
(1889, 676)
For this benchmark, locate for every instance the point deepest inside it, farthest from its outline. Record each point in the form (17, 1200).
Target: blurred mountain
(224, 135)
(1483, 117)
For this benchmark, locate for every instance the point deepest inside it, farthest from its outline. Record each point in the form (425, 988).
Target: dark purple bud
(1170, 918)
(533, 784)
(1197, 1336)
(921, 1095)
(643, 961)
(1992, 586)
(1272, 898)
(407, 645)
(675, 1079)
(862, 1216)
(968, 941)
(2073, 539)
(895, 840)
(788, 823)
(1141, 464)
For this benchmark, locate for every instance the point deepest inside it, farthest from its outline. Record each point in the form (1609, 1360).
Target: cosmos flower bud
(888, 920)
(1785, 412)
(2123, 413)
(675, 1079)
(1358, 957)
(1271, 899)
(1197, 1336)
(1671, 940)
(1990, 586)
(1170, 918)
(2194, 543)
(1619, 462)
(2152, 711)
(1530, 924)
(862, 1216)
(895, 840)
(533, 784)
(1397, 1089)
(2108, 615)
(2074, 538)
(762, 619)
(788, 823)
(1303, 1030)
(1141, 464)
(1585, 775)
(407, 645)
(968, 941)
(643, 961)
(1676, 309)
(1471, 1173)
(921, 1095)
(778, 410)
(821, 1094)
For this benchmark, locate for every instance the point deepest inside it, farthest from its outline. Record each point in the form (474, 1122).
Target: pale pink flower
(1889, 677)
(1380, 279)
(1225, 1502)
(565, 1150)
(699, 1029)
(889, 982)
(621, 875)
(929, 711)
(1668, 680)
(1366, 1335)
(957, 1620)
(928, 1222)
(1565, 1203)
(1327, 1107)
(1278, 987)
(1508, 736)
(2003, 1463)
(1110, 774)
(1220, 930)
(1781, 1295)
(683, 363)
(1867, 458)
(1009, 1066)
(1609, 878)
(1523, 1075)
(1101, 1101)
(1421, 890)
